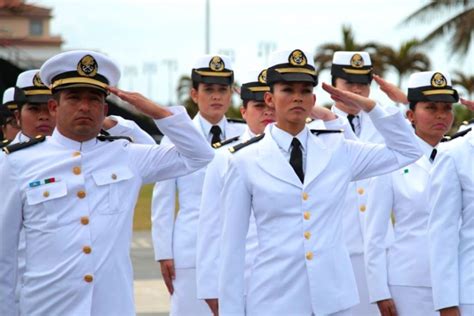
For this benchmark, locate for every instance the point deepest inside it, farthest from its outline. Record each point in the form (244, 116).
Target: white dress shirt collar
(72, 144)
(206, 126)
(283, 138)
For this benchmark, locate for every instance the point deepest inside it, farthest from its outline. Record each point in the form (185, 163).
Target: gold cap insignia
(87, 66)
(297, 58)
(438, 80)
(262, 77)
(357, 61)
(216, 64)
(37, 81)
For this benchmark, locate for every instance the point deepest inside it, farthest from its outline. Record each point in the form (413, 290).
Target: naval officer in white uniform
(74, 193)
(293, 180)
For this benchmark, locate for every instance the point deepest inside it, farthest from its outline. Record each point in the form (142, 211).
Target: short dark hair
(412, 105)
(245, 103)
(195, 85)
(333, 81)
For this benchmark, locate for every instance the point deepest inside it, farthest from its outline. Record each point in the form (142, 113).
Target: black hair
(245, 103)
(412, 105)
(195, 85)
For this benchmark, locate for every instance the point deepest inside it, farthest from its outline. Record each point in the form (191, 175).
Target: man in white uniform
(74, 194)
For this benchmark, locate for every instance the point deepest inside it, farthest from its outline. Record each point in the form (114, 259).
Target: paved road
(151, 296)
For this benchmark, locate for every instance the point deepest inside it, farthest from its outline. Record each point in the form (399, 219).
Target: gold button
(88, 278)
(309, 255)
(307, 235)
(46, 194)
(305, 196)
(81, 194)
(87, 249)
(84, 220)
(113, 176)
(360, 191)
(362, 208)
(306, 215)
(76, 170)
(76, 153)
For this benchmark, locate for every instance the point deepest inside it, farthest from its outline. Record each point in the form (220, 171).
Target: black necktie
(351, 118)
(216, 134)
(433, 155)
(296, 158)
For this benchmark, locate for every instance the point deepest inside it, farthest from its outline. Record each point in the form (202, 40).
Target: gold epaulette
(15, 147)
(5, 143)
(225, 142)
(457, 135)
(246, 143)
(326, 131)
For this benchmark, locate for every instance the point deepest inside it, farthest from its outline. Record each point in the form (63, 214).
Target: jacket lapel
(317, 158)
(271, 160)
(424, 163)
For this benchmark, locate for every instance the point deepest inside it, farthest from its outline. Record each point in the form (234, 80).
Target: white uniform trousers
(364, 308)
(184, 300)
(413, 300)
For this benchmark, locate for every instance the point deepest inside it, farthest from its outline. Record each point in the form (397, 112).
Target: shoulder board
(471, 121)
(110, 138)
(225, 142)
(458, 134)
(246, 143)
(236, 120)
(15, 147)
(326, 131)
(5, 143)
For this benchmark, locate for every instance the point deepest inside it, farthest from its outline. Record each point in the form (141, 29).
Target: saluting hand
(467, 103)
(168, 273)
(391, 90)
(387, 307)
(320, 112)
(142, 103)
(349, 98)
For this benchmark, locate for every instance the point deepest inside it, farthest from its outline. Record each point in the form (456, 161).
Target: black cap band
(290, 73)
(353, 75)
(430, 93)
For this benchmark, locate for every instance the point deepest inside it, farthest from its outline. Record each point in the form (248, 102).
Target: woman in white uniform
(399, 278)
(294, 180)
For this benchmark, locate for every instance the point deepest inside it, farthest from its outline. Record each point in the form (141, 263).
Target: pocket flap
(46, 192)
(110, 176)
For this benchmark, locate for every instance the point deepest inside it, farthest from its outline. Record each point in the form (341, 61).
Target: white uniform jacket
(406, 262)
(451, 224)
(301, 254)
(75, 202)
(210, 225)
(176, 238)
(355, 200)
(131, 129)
(211, 217)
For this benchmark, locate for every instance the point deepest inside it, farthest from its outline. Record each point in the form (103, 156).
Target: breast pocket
(43, 203)
(111, 183)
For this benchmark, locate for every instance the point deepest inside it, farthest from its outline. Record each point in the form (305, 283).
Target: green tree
(325, 52)
(465, 82)
(459, 27)
(406, 59)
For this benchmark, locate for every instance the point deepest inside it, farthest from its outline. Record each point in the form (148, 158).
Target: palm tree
(460, 26)
(324, 53)
(406, 59)
(465, 81)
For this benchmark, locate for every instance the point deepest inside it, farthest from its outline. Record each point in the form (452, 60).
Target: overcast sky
(143, 33)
